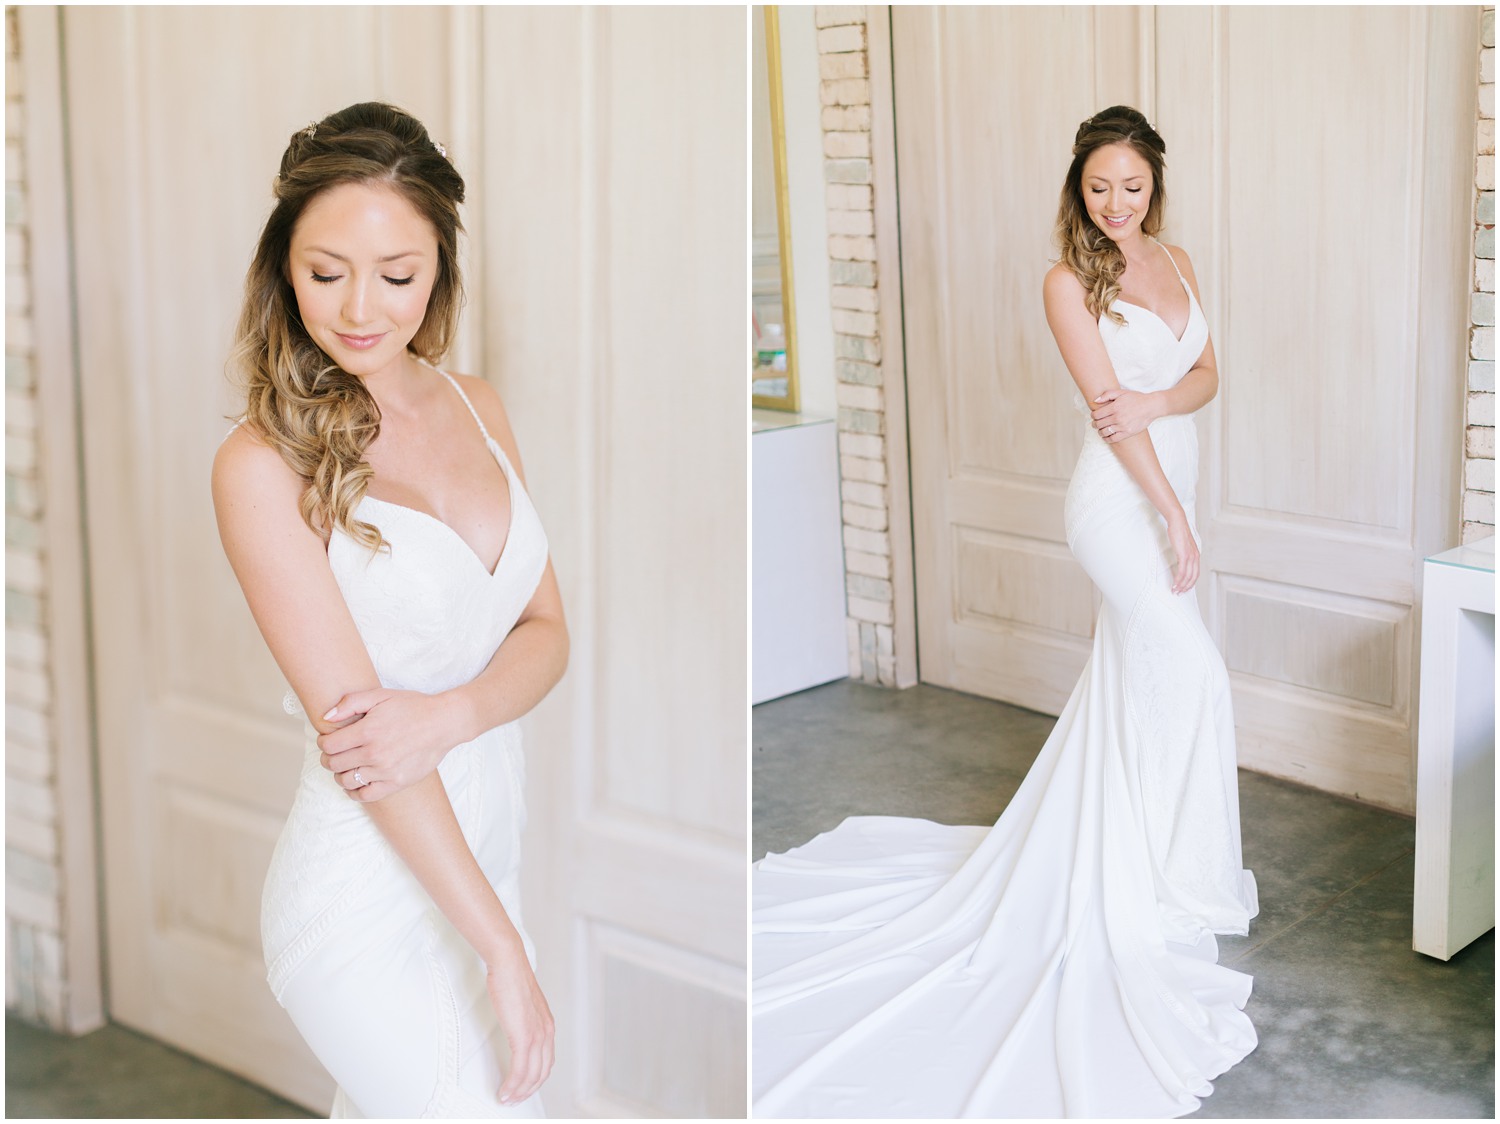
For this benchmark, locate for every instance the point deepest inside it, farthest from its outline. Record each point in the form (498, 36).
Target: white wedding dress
(1061, 963)
(389, 996)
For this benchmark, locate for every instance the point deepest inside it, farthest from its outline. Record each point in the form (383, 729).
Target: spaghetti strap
(488, 439)
(1164, 250)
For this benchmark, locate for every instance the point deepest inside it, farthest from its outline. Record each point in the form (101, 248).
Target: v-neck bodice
(431, 615)
(1145, 353)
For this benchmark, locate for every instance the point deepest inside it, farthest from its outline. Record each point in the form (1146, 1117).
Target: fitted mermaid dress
(1062, 962)
(390, 997)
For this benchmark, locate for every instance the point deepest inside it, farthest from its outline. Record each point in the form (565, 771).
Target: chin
(361, 363)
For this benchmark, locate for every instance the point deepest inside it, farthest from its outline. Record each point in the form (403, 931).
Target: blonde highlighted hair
(1086, 250)
(320, 418)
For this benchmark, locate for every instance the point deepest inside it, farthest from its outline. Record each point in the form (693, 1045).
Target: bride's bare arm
(1082, 347)
(282, 566)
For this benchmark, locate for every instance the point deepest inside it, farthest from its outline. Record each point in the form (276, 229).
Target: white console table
(797, 628)
(1455, 858)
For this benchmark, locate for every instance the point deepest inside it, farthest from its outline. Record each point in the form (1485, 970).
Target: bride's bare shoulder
(247, 467)
(1061, 289)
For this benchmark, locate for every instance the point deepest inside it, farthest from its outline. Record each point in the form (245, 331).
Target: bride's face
(362, 265)
(1117, 188)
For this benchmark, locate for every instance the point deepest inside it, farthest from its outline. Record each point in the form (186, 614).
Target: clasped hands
(391, 738)
(1121, 413)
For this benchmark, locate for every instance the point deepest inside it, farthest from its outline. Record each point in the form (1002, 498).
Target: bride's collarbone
(441, 477)
(1168, 303)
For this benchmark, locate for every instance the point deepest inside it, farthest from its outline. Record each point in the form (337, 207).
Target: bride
(374, 512)
(1063, 962)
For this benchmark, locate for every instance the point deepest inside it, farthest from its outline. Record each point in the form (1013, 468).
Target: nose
(357, 300)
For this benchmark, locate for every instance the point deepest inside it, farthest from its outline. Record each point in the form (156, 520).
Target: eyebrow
(380, 261)
(1127, 179)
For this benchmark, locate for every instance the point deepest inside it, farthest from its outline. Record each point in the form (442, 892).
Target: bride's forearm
(1138, 455)
(520, 673)
(1193, 391)
(421, 827)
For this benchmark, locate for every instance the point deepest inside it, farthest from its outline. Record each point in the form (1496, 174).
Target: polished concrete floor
(1352, 1022)
(115, 1072)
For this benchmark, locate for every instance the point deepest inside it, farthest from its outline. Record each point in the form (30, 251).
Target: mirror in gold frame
(773, 358)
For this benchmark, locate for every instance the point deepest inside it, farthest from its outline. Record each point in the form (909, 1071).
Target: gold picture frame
(791, 400)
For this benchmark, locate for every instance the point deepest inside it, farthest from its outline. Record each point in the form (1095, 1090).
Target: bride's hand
(1185, 547)
(1121, 413)
(399, 738)
(527, 1022)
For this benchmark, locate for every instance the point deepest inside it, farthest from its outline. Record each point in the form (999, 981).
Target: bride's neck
(1136, 254)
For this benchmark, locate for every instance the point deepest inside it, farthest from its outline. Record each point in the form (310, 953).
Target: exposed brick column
(1479, 435)
(34, 976)
(843, 66)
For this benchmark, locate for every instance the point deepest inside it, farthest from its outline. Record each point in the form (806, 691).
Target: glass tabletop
(762, 420)
(1479, 555)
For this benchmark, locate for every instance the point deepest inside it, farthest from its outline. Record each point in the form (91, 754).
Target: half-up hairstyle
(1094, 259)
(320, 418)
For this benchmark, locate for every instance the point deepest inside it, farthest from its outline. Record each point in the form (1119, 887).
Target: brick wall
(855, 293)
(34, 976)
(1479, 442)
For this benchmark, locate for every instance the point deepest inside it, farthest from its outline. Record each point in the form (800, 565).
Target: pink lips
(360, 343)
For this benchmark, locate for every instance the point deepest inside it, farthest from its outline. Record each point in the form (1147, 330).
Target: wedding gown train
(385, 991)
(1063, 962)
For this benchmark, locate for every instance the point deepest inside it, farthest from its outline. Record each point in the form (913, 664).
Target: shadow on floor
(115, 1072)
(1352, 1022)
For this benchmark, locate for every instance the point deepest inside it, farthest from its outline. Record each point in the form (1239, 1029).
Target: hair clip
(443, 152)
(311, 131)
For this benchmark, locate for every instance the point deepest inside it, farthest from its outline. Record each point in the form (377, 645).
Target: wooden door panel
(615, 320)
(1318, 356)
(1325, 475)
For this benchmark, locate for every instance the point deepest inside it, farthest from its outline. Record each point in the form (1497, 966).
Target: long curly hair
(1094, 259)
(320, 418)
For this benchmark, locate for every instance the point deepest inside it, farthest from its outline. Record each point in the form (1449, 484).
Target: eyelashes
(398, 281)
(1100, 190)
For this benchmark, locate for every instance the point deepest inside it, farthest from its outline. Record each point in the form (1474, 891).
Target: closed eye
(322, 280)
(1101, 190)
